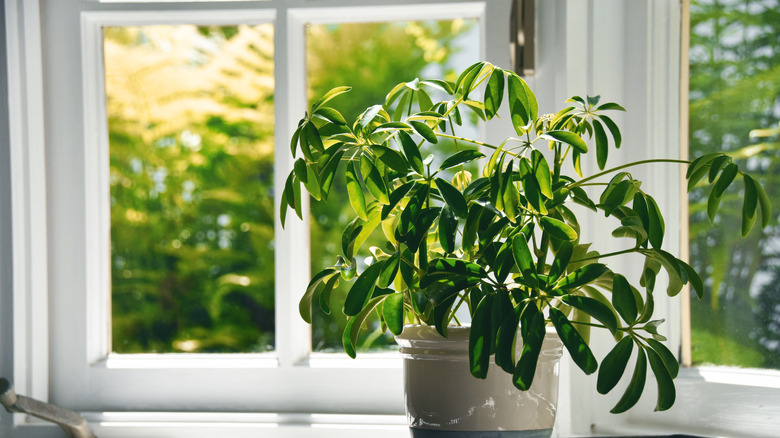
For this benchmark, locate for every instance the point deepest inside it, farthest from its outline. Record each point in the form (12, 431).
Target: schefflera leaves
(504, 245)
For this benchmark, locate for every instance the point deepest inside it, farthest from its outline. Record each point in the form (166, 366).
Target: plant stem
(624, 166)
(625, 251)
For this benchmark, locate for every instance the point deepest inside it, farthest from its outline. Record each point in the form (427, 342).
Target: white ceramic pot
(443, 399)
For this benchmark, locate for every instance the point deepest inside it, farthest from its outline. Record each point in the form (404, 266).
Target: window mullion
(293, 335)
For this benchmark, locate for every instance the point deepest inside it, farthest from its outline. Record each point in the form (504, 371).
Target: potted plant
(502, 245)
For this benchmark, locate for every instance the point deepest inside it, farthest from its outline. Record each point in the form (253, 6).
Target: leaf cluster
(505, 243)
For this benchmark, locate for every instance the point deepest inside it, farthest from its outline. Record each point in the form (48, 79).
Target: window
(86, 227)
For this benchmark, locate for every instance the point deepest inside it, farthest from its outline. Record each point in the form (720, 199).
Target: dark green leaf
(763, 200)
(395, 197)
(533, 332)
(425, 131)
(472, 225)
(505, 339)
(614, 365)
(602, 146)
(361, 290)
(670, 362)
(577, 347)
(725, 179)
(480, 338)
(312, 136)
(412, 152)
(461, 157)
(524, 259)
(541, 171)
(326, 293)
(623, 299)
(593, 308)
(610, 106)
(352, 329)
(666, 391)
(694, 279)
(392, 158)
(569, 138)
(716, 166)
(613, 129)
(635, 386)
(348, 236)
(453, 197)
(557, 229)
(329, 172)
(562, 257)
(749, 206)
(656, 228)
(448, 228)
(375, 183)
(583, 275)
(494, 93)
(389, 270)
(305, 304)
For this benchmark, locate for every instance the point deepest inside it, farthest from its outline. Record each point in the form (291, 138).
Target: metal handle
(74, 425)
(522, 37)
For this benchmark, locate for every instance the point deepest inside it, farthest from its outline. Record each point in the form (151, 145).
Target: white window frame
(53, 305)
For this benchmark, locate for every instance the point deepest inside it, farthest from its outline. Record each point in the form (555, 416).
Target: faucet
(74, 425)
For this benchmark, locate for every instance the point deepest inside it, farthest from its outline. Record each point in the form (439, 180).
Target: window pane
(372, 58)
(735, 105)
(190, 117)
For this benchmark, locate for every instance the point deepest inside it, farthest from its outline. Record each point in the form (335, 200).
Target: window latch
(522, 36)
(74, 425)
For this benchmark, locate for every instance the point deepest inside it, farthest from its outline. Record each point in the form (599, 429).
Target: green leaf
(466, 79)
(352, 329)
(312, 183)
(328, 96)
(312, 137)
(374, 181)
(524, 259)
(480, 338)
(367, 116)
(558, 229)
(656, 229)
(614, 365)
(329, 172)
(425, 131)
(694, 279)
(395, 197)
(533, 332)
(505, 339)
(305, 304)
(583, 275)
(356, 197)
(448, 228)
(666, 391)
(610, 106)
(593, 308)
(562, 258)
(749, 206)
(725, 179)
(412, 152)
(461, 157)
(453, 197)
(670, 362)
(602, 146)
(521, 103)
(494, 93)
(389, 270)
(635, 386)
(613, 129)
(763, 200)
(361, 290)
(577, 347)
(419, 228)
(623, 299)
(701, 162)
(391, 158)
(716, 165)
(541, 171)
(393, 313)
(410, 214)
(569, 138)
(331, 115)
(471, 226)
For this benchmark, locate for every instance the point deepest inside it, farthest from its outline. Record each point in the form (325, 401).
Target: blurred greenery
(735, 91)
(191, 115)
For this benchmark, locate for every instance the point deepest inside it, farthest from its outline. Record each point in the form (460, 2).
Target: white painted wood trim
(28, 197)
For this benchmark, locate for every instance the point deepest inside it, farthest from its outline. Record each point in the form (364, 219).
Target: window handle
(522, 37)
(74, 425)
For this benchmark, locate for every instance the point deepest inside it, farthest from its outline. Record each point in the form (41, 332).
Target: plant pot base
(430, 433)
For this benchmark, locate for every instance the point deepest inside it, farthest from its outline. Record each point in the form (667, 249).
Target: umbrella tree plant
(503, 244)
